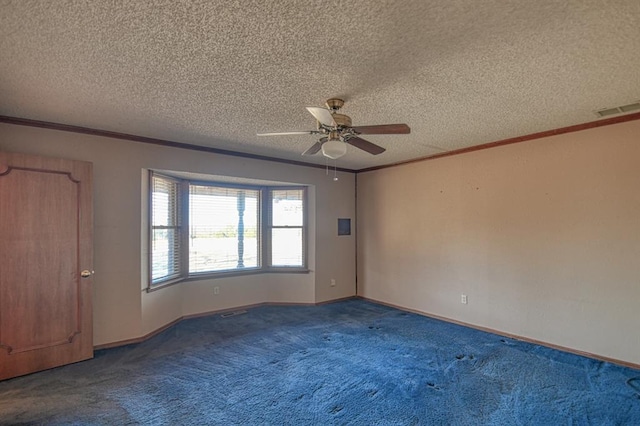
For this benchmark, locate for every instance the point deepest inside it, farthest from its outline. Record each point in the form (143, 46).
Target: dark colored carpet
(350, 362)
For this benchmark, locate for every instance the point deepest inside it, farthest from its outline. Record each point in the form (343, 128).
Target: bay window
(207, 229)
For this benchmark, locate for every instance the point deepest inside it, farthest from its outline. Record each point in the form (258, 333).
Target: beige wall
(543, 237)
(122, 310)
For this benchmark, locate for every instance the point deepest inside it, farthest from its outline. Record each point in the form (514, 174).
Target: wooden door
(46, 224)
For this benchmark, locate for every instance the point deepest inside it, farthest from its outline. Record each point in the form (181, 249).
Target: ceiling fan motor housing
(342, 120)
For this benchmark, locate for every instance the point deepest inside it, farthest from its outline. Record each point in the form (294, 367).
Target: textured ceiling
(213, 73)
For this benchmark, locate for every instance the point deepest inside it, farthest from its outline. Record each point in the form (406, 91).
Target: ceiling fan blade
(383, 129)
(364, 145)
(302, 132)
(323, 115)
(313, 149)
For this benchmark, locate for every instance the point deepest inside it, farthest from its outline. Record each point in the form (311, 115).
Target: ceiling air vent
(618, 110)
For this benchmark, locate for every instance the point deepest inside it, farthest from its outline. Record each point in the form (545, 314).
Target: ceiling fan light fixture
(334, 148)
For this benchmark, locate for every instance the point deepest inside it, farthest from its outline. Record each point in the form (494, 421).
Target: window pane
(223, 228)
(287, 207)
(286, 247)
(166, 254)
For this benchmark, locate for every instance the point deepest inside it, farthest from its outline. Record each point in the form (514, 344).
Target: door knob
(86, 273)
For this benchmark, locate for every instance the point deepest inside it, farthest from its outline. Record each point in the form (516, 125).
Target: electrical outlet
(216, 290)
(463, 299)
(333, 282)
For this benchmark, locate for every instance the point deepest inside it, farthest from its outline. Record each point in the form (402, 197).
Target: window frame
(269, 224)
(236, 271)
(174, 278)
(264, 230)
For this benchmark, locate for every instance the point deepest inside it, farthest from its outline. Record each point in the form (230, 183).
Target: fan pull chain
(335, 172)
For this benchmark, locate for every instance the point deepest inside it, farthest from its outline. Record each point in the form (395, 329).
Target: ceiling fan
(337, 132)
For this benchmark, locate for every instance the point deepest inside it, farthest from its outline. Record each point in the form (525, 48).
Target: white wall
(543, 237)
(122, 310)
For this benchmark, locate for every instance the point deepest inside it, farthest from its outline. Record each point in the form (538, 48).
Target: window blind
(165, 229)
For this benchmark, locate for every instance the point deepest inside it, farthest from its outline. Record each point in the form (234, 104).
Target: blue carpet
(350, 362)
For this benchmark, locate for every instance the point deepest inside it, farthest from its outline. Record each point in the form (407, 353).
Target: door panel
(46, 241)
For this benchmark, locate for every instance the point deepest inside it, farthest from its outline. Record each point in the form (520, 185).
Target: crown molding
(517, 139)
(143, 139)
(162, 142)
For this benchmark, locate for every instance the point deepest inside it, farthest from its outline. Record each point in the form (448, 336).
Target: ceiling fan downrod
(334, 104)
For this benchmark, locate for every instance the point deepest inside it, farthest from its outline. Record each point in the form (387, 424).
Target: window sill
(228, 274)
